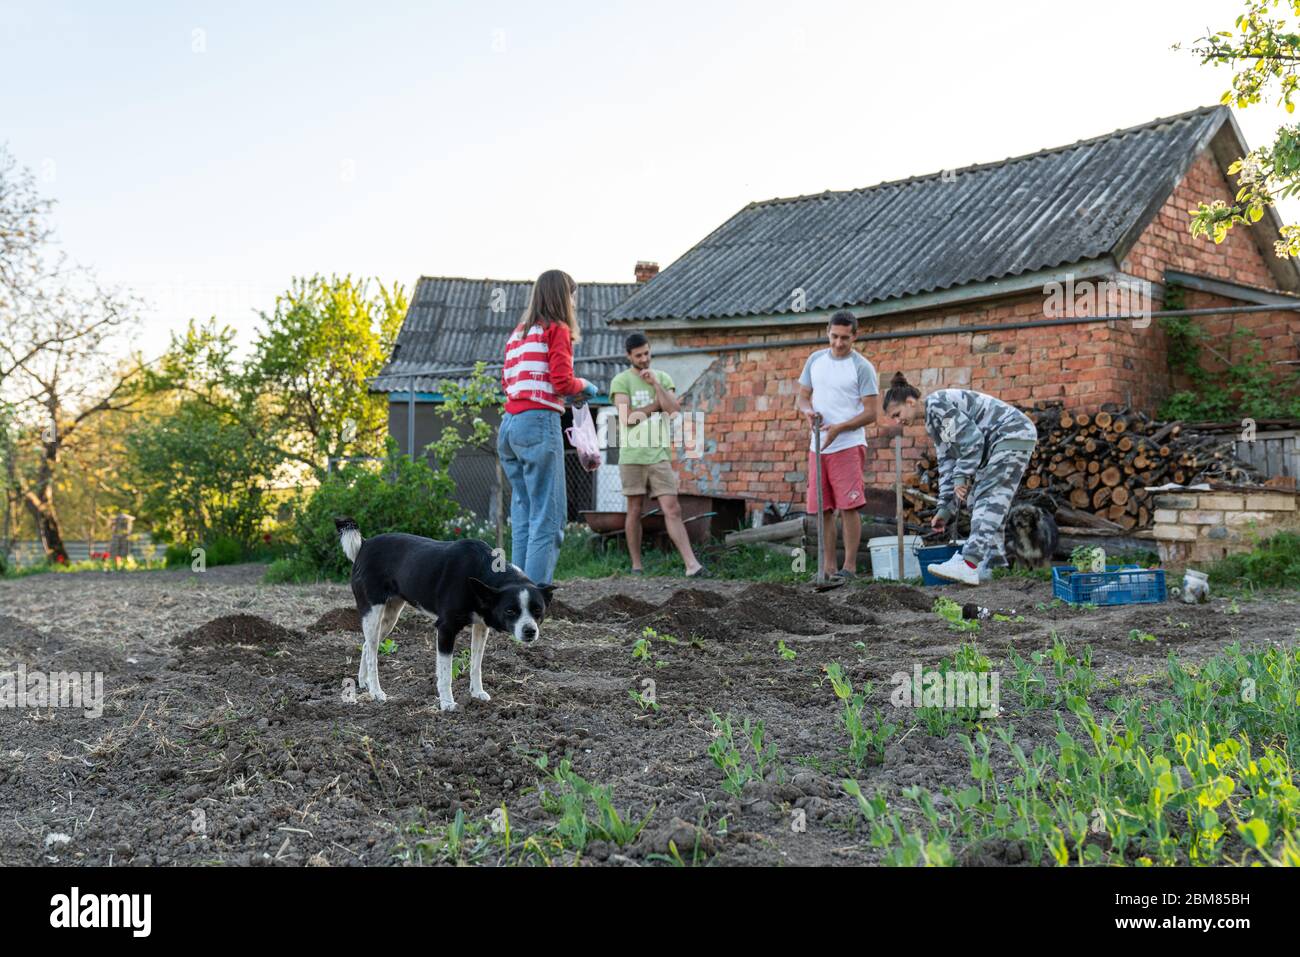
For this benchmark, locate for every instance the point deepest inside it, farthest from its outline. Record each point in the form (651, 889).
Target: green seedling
(950, 611)
(1088, 558)
(644, 701)
(868, 734)
(737, 768)
(569, 796)
(1028, 682)
(460, 842)
(788, 654)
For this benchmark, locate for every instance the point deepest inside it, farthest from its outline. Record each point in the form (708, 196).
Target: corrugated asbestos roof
(452, 323)
(931, 233)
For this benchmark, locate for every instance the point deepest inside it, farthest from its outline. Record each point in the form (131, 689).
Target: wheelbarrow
(609, 526)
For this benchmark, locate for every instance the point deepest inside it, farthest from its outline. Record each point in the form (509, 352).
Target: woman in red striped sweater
(537, 376)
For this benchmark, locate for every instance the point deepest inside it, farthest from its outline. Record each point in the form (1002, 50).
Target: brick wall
(756, 444)
(1199, 527)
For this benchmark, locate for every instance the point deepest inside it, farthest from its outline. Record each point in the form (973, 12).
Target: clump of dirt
(339, 619)
(559, 609)
(880, 597)
(238, 630)
(693, 598)
(623, 605)
(792, 610)
(688, 623)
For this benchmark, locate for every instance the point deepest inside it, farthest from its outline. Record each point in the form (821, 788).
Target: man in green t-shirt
(645, 461)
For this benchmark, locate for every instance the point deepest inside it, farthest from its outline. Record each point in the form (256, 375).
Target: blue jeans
(531, 448)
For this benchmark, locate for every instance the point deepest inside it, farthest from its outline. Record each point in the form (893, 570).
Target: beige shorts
(659, 479)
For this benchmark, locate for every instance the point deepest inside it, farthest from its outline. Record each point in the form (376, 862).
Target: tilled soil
(229, 735)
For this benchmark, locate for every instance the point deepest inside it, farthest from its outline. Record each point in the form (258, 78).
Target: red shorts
(841, 479)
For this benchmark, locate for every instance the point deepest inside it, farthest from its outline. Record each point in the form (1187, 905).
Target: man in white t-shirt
(840, 386)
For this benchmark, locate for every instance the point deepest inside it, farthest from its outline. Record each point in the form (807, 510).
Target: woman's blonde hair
(552, 301)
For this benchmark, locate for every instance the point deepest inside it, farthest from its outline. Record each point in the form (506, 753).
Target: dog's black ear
(484, 594)
(547, 592)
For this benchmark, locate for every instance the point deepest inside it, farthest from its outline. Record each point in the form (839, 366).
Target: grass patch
(95, 565)
(741, 562)
(1271, 564)
(298, 571)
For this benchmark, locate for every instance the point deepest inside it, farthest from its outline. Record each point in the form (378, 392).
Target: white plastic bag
(582, 434)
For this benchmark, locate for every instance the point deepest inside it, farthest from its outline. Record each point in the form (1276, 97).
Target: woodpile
(1093, 470)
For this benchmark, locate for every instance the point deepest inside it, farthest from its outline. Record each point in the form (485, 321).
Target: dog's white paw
(377, 694)
(447, 705)
(480, 695)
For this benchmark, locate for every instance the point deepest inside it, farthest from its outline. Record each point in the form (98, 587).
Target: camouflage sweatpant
(989, 501)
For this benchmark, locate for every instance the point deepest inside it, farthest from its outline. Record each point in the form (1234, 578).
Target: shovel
(823, 583)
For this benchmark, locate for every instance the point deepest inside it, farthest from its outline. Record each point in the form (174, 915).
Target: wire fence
(483, 490)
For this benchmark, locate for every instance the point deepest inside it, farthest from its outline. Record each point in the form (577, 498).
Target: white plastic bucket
(1196, 586)
(884, 556)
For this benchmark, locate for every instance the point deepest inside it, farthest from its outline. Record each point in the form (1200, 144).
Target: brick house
(948, 276)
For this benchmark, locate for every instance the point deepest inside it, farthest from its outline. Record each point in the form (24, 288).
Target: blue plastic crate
(933, 555)
(1117, 585)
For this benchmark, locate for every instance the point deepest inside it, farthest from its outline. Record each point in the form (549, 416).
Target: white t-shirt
(838, 388)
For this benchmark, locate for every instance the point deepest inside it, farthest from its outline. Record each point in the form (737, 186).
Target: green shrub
(294, 571)
(1248, 385)
(402, 496)
(220, 550)
(1271, 564)
(223, 550)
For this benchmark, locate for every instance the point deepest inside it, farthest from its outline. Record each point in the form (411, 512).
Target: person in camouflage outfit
(983, 446)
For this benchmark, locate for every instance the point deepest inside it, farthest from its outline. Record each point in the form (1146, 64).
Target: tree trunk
(40, 503)
(48, 528)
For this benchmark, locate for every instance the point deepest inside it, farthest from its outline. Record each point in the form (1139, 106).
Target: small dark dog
(457, 583)
(1031, 536)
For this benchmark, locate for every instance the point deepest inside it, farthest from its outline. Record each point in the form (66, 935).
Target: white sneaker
(955, 569)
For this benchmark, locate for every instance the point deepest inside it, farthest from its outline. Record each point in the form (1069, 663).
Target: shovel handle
(817, 459)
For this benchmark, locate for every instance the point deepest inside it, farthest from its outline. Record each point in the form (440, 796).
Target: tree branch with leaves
(1263, 49)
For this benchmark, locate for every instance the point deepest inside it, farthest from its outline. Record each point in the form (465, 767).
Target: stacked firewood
(1094, 469)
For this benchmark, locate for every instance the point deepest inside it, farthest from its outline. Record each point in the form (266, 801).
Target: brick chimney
(645, 271)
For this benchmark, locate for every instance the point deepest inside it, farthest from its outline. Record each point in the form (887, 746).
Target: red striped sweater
(538, 371)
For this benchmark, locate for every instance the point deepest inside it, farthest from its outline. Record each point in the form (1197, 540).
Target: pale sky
(202, 154)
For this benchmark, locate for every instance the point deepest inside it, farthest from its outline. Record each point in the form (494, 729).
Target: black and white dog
(458, 583)
(1031, 536)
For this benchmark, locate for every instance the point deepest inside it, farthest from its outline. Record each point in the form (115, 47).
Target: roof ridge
(520, 282)
(974, 167)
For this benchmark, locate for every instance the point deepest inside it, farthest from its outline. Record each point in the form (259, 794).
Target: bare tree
(61, 338)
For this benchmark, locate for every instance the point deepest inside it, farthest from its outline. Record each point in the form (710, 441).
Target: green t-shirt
(646, 442)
